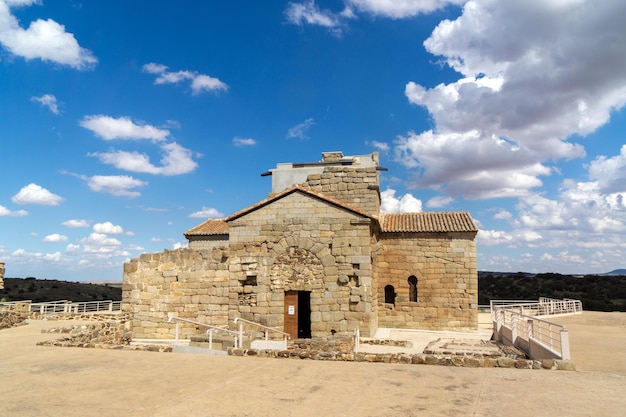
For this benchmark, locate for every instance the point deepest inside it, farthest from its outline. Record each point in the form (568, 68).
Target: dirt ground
(49, 381)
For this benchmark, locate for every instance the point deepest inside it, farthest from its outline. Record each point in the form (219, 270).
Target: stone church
(316, 258)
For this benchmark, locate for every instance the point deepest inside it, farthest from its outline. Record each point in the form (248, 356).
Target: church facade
(316, 258)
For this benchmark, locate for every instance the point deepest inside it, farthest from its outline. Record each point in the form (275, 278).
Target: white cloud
(109, 128)
(503, 215)
(610, 172)
(8, 213)
(469, 164)
(72, 250)
(237, 141)
(207, 213)
(99, 243)
(22, 255)
(381, 146)
(49, 101)
(398, 9)
(405, 204)
(117, 185)
(529, 82)
(439, 201)
(43, 39)
(308, 12)
(300, 131)
(75, 223)
(199, 82)
(35, 194)
(54, 238)
(177, 160)
(108, 228)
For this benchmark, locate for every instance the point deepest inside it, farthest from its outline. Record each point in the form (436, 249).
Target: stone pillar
(1, 275)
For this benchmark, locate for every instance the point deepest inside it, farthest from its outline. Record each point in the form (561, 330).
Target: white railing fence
(64, 306)
(518, 323)
(266, 331)
(211, 329)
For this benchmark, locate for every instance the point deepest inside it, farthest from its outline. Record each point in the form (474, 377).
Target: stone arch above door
(298, 264)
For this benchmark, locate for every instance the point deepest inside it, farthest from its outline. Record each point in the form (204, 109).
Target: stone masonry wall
(2, 275)
(358, 187)
(445, 267)
(191, 284)
(300, 243)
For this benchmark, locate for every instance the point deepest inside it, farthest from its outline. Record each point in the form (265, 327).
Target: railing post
(565, 345)
(240, 334)
(177, 327)
(210, 339)
(111, 306)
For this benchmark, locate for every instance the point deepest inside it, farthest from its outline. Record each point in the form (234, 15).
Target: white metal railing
(11, 305)
(266, 330)
(210, 331)
(65, 306)
(518, 323)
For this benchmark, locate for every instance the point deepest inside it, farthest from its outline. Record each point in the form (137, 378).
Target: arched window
(412, 288)
(390, 294)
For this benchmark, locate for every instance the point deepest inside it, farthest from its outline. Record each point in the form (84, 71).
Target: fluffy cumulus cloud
(207, 213)
(48, 101)
(100, 244)
(9, 213)
(76, 223)
(176, 160)
(47, 39)
(55, 238)
(117, 185)
(110, 128)
(108, 228)
(199, 83)
(390, 204)
(529, 80)
(36, 194)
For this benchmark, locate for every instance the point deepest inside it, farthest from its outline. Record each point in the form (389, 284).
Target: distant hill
(616, 272)
(597, 292)
(40, 290)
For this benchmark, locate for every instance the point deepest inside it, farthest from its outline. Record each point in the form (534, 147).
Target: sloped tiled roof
(427, 222)
(208, 228)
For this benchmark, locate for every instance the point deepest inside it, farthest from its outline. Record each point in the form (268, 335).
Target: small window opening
(250, 280)
(412, 288)
(390, 295)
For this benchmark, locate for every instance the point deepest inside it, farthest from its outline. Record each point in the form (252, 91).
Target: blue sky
(124, 124)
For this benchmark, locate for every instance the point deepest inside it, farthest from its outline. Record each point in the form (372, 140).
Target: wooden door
(291, 313)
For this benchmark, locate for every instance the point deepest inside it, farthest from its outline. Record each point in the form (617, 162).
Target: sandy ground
(49, 381)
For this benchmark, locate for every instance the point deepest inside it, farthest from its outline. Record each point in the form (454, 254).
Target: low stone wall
(102, 335)
(10, 319)
(415, 359)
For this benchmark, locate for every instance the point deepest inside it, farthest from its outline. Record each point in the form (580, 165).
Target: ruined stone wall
(358, 187)
(2, 275)
(445, 267)
(192, 284)
(300, 243)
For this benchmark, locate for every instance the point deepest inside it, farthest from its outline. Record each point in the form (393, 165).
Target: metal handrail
(209, 332)
(266, 328)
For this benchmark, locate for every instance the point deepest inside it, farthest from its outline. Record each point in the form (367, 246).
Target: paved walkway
(48, 381)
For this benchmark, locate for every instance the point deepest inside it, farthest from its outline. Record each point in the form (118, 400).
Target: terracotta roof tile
(209, 227)
(427, 222)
